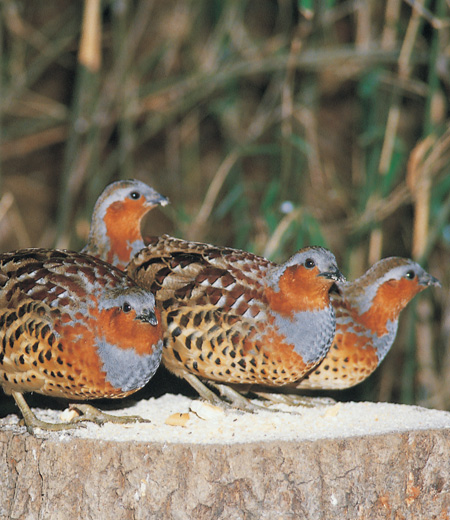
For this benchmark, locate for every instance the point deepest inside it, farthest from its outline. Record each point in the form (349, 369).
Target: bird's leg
(90, 413)
(31, 421)
(237, 400)
(296, 400)
(93, 414)
(203, 391)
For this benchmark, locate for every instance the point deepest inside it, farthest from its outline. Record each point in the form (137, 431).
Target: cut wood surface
(192, 461)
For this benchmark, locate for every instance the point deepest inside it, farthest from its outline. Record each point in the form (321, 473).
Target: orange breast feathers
(391, 298)
(78, 342)
(122, 220)
(110, 325)
(134, 334)
(299, 289)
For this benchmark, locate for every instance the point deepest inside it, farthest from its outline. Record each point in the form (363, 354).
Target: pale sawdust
(212, 425)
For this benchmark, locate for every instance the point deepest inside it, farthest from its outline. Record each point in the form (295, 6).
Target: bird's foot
(296, 400)
(92, 414)
(236, 399)
(31, 421)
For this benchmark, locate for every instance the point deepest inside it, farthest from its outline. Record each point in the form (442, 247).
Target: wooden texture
(392, 476)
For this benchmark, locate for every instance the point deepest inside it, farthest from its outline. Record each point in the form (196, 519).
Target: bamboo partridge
(115, 233)
(367, 312)
(233, 317)
(73, 326)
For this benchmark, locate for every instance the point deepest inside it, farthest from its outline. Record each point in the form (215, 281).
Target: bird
(115, 232)
(73, 326)
(367, 314)
(230, 316)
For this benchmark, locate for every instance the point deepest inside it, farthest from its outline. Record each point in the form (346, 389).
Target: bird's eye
(410, 275)
(126, 307)
(309, 263)
(135, 195)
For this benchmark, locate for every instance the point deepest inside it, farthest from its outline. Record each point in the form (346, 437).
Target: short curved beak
(333, 274)
(157, 200)
(429, 280)
(148, 317)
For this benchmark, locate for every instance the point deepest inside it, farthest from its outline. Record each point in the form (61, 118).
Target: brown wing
(201, 274)
(26, 341)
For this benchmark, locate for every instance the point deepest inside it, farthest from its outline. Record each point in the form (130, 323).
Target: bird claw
(92, 414)
(30, 421)
(237, 400)
(296, 400)
(33, 423)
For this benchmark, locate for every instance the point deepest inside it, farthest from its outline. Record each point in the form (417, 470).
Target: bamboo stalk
(2, 68)
(83, 133)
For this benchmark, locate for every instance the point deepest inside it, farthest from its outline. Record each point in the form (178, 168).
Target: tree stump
(151, 471)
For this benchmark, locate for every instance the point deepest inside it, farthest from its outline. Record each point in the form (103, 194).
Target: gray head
(390, 270)
(316, 259)
(115, 234)
(132, 190)
(396, 268)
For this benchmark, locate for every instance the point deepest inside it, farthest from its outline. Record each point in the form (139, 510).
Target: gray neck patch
(384, 343)
(125, 369)
(311, 332)
(136, 246)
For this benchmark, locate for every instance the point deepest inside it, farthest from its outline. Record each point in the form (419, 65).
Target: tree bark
(391, 476)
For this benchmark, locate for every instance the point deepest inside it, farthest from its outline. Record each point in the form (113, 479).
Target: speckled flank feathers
(231, 316)
(367, 313)
(115, 234)
(72, 326)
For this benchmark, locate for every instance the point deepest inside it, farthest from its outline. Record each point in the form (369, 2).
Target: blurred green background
(269, 124)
